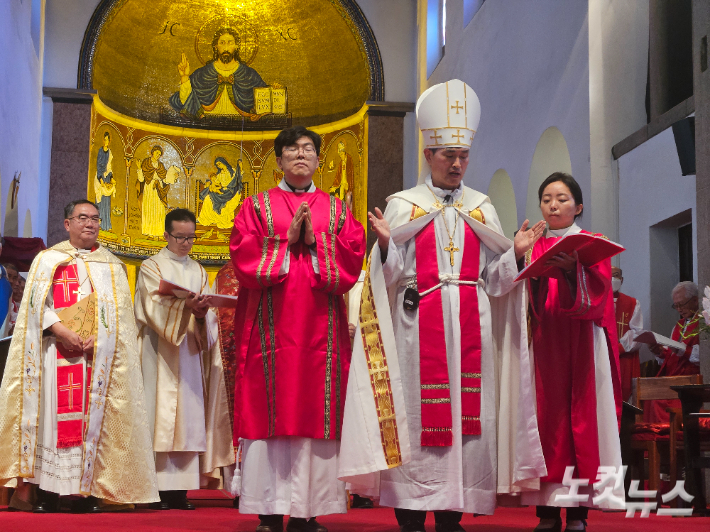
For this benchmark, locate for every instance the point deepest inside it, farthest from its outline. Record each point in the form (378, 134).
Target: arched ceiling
(322, 51)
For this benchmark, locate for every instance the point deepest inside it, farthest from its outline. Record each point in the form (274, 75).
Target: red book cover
(167, 288)
(591, 250)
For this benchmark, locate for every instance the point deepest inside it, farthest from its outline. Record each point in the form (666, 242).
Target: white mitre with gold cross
(448, 115)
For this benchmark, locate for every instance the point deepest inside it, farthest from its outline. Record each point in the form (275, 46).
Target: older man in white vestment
(72, 410)
(458, 323)
(182, 369)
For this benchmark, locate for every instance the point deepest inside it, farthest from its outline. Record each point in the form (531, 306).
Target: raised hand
(184, 68)
(380, 227)
(525, 238)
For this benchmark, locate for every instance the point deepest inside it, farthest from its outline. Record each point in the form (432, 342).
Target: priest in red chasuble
(629, 324)
(442, 332)
(673, 362)
(296, 251)
(72, 409)
(574, 346)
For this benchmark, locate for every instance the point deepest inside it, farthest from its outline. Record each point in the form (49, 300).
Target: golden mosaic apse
(247, 64)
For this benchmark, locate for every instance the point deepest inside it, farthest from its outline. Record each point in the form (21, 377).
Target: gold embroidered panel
(138, 171)
(232, 64)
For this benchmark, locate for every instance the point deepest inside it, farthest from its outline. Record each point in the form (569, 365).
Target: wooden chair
(646, 437)
(677, 449)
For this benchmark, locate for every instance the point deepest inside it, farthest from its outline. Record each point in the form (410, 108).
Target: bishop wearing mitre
(178, 339)
(442, 321)
(72, 409)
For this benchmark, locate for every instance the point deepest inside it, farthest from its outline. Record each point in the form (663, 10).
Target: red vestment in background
(629, 365)
(291, 327)
(674, 363)
(565, 372)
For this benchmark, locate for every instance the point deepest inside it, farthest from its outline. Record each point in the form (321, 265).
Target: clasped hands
(302, 223)
(71, 340)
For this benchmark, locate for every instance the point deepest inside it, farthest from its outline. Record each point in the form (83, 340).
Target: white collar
(554, 233)
(174, 256)
(442, 193)
(284, 186)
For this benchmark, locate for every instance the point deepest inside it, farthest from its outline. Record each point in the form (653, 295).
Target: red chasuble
(675, 363)
(563, 345)
(70, 367)
(291, 328)
(629, 366)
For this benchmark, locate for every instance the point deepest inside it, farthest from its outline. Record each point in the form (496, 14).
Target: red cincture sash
(70, 367)
(433, 366)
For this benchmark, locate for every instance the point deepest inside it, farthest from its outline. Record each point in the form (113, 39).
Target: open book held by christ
(80, 317)
(167, 288)
(591, 250)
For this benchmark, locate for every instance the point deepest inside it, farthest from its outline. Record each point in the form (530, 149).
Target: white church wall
(20, 108)
(528, 63)
(66, 22)
(655, 199)
(618, 61)
(394, 24)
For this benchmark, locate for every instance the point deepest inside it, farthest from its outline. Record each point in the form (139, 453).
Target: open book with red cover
(591, 249)
(168, 288)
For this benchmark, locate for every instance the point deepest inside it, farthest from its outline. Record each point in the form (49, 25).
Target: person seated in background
(673, 362)
(18, 288)
(629, 322)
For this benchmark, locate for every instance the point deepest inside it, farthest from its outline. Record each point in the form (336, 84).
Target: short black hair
(289, 137)
(179, 215)
(571, 184)
(69, 209)
(107, 134)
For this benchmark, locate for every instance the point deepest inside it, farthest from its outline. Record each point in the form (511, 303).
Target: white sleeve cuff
(50, 318)
(314, 260)
(695, 355)
(286, 263)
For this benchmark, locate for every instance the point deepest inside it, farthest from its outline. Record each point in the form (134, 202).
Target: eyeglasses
(84, 220)
(308, 150)
(678, 306)
(183, 239)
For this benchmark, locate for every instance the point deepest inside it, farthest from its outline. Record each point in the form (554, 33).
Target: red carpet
(217, 516)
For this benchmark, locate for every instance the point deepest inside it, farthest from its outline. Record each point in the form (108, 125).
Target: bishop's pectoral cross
(451, 249)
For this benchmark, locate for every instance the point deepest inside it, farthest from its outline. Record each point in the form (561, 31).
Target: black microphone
(447, 198)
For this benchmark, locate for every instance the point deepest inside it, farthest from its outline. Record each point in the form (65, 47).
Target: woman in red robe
(574, 345)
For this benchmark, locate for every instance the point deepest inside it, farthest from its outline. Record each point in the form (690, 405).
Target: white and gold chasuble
(115, 462)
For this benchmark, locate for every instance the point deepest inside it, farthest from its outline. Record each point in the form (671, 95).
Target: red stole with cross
(70, 367)
(625, 306)
(433, 366)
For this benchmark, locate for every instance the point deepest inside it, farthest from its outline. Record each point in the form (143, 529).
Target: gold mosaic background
(189, 157)
(310, 47)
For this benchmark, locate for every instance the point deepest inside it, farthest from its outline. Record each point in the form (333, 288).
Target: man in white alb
(182, 369)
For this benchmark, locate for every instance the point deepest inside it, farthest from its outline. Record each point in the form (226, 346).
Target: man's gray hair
(689, 287)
